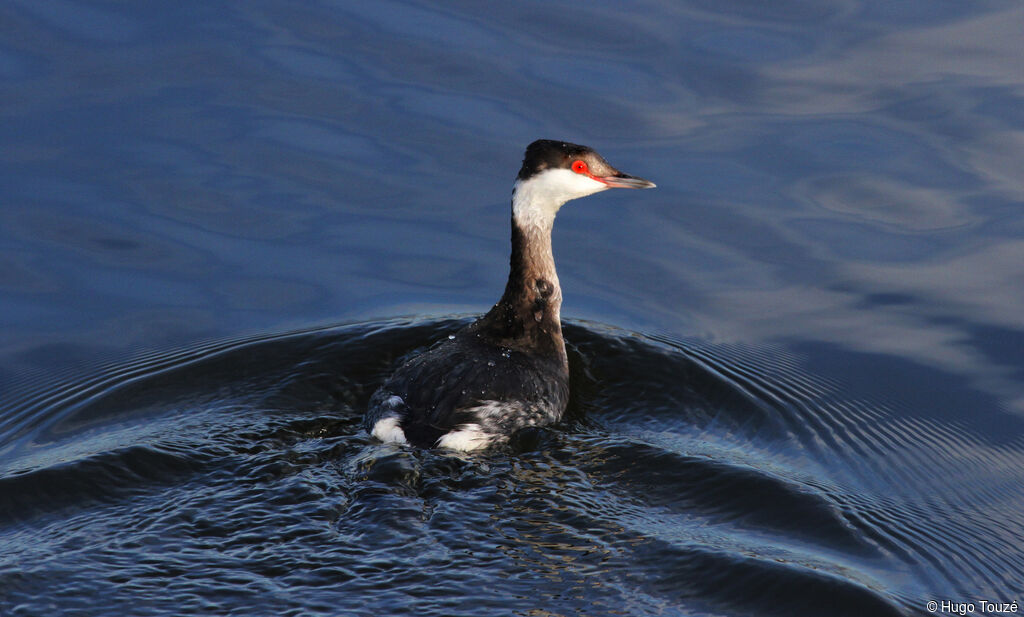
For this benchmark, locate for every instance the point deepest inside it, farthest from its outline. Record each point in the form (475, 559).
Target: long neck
(528, 314)
(532, 280)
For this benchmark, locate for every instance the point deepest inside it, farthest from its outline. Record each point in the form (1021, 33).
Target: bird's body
(507, 370)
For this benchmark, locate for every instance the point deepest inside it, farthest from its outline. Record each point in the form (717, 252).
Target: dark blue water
(798, 364)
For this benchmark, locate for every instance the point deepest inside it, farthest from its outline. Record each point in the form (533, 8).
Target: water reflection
(839, 193)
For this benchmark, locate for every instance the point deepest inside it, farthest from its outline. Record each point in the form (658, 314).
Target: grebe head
(554, 172)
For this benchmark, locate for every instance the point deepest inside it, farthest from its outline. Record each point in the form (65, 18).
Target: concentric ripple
(689, 478)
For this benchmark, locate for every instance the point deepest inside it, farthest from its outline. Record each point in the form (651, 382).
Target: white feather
(536, 200)
(389, 431)
(468, 437)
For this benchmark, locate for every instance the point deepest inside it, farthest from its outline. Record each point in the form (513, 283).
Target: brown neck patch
(527, 316)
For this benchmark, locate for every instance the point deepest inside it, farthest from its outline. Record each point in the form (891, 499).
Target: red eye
(579, 167)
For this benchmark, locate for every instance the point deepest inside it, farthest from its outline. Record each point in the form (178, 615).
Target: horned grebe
(508, 369)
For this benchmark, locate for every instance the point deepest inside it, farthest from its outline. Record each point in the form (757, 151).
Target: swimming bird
(508, 369)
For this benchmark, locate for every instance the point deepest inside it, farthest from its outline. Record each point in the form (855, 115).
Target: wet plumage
(508, 370)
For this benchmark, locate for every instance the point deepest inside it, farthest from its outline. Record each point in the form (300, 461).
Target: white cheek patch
(537, 199)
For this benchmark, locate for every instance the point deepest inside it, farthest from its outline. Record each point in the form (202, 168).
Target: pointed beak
(626, 181)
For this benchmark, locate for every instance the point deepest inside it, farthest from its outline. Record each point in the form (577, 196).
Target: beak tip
(624, 181)
(643, 184)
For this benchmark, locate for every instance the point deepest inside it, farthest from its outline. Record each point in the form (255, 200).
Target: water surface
(798, 363)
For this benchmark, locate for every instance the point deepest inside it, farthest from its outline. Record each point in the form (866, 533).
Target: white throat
(536, 201)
